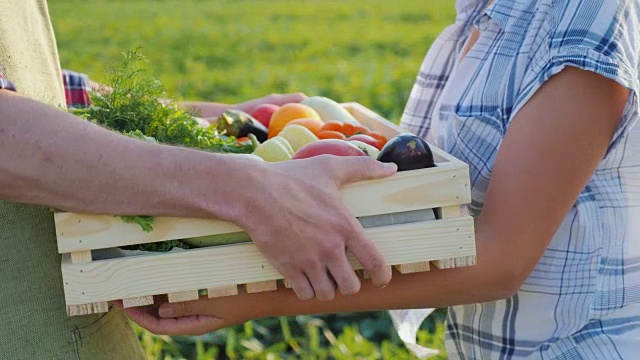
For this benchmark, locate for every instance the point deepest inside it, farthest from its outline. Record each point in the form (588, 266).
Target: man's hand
(299, 222)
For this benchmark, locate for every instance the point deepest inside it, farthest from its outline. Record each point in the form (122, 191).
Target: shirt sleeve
(595, 36)
(76, 89)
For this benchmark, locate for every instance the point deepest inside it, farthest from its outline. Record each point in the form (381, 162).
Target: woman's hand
(201, 316)
(274, 99)
(148, 318)
(213, 110)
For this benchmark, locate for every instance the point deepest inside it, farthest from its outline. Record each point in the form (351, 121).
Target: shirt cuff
(76, 89)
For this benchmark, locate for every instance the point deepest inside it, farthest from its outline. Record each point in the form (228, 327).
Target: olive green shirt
(33, 320)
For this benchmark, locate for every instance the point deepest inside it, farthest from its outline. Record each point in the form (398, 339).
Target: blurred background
(234, 50)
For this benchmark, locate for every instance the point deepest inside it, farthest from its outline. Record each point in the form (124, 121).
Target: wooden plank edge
(182, 296)
(83, 309)
(137, 301)
(222, 291)
(88, 309)
(413, 268)
(261, 286)
(451, 263)
(81, 256)
(448, 212)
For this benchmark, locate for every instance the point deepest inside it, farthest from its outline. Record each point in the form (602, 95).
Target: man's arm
(549, 153)
(51, 158)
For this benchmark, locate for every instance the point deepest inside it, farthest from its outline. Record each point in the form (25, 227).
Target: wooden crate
(446, 241)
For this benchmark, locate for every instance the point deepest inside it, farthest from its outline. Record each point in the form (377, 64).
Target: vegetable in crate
(408, 151)
(328, 147)
(368, 149)
(274, 150)
(298, 136)
(329, 109)
(239, 124)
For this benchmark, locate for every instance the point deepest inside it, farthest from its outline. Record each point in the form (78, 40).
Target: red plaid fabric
(76, 88)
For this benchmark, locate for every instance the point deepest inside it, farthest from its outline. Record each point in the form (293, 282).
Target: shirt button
(482, 23)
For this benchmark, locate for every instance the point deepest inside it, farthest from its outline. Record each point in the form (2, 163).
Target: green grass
(229, 51)
(234, 50)
(302, 337)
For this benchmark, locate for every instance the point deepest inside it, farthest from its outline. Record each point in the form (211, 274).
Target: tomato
(353, 129)
(333, 125)
(329, 134)
(382, 140)
(328, 147)
(361, 129)
(367, 140)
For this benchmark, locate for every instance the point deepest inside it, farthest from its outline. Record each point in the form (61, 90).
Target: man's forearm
(51, 158)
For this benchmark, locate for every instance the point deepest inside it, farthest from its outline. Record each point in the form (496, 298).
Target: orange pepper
(333, 125)
(382, 140)
(330, 134)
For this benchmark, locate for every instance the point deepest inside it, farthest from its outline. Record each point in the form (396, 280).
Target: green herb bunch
(135, 104)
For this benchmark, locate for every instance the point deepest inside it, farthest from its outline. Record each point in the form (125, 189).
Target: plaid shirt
(582, 301)
(76, 88)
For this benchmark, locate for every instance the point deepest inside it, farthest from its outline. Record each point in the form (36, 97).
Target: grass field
(231, 51)
(366, 51)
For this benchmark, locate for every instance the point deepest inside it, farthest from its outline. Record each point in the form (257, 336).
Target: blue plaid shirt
(582, 301)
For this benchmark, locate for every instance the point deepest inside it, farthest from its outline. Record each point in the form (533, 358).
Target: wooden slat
(181, 296)
(137, 301)
(113, 279)
(413, 268)
(261, 286)
(405, 191)
(222, 291)
(88, 309)
(80, 256)
(448, 213)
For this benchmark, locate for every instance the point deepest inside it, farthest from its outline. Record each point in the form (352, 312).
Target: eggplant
(408, 151)
(240, 124)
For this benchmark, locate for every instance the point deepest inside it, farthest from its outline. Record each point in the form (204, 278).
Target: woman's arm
(551, 150)
(51, 158)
